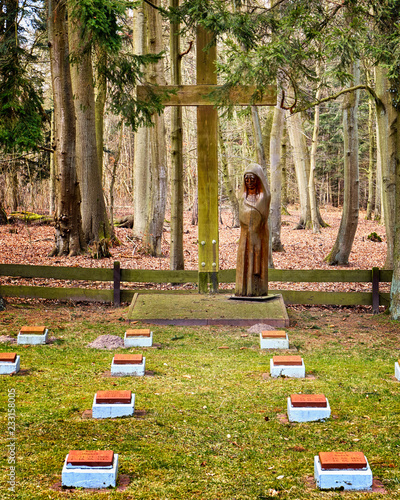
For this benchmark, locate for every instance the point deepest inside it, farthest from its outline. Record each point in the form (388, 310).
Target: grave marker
(287, 366)
(141, 337)
(9, 363)
(113, 404)
(347, 470)
(90, 469)
(128, 364)
(32, 335)
(307, 407)
(274, 339)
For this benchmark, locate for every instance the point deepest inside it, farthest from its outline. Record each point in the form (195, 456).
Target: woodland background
(333, 65)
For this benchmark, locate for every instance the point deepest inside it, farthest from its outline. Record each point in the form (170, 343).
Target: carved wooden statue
(252, 258)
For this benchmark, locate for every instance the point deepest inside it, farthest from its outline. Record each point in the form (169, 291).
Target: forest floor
(21, 243)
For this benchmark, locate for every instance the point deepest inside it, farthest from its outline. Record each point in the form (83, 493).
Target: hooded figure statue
(252, 258)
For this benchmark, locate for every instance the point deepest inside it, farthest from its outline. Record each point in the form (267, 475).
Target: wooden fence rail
(117, 276)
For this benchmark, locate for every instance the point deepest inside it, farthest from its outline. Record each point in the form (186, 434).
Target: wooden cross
(207, 147)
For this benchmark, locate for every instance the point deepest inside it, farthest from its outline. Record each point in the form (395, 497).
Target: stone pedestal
(397, 370)
(33, 335)
(128, 365)
(112, 409)
(287, 366)
(9, 363)
(276, 339)
(308, 408)
(343, 476)
(90, 476)
(138, 338)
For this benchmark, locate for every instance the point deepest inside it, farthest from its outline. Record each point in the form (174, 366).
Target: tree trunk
(176, 252)
(150, 167)
(52, 180)
(371, 151)
(69, 237)
(228, 182)
(158, 150)
(261, 160)
(141, 166)
(302, 166)
(93, 209)
(395, 286)
(386, 132)
(378, 186)
(348, 224)
(100, 102)
(313, 160)
(275, 152)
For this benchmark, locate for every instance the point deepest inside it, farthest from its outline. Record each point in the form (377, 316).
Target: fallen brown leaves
(24, 244)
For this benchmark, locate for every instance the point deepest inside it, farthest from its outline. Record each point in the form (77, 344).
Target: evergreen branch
(333, 97)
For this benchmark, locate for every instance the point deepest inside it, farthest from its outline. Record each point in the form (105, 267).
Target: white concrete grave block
(113, 410)
(89, 476)
(346, 478)
(142, 337)
(123, 366)
(397, 370)
(8, 367)
(276, 339)
(32, 335)
(307, 413)
(287, 366)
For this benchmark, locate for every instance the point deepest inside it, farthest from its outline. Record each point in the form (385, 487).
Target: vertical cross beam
(207, 167)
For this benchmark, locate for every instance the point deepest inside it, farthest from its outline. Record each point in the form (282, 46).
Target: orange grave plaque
(113, 397)
(273, 334)
(287, 360)
(90, 458)
(128, 359)
(8, 357)
(139, 332)
(342, 460)
(39, 330)
(308, 401)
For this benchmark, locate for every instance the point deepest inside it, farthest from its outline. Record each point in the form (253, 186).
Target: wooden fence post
(117, 284)
(375, 290)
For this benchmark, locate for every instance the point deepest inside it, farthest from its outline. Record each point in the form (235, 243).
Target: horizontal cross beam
(199, 95)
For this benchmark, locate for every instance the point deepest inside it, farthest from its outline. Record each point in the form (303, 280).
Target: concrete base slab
(7, 368)
(274, 343)
(397, 370)
(108, 410)
(90, 477)
(128, 370)
(32, 338)
(197, 309)
(138, 341)
(307, 414)
(298, 371)
(348, 479)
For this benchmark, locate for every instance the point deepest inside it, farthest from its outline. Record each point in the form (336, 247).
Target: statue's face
(250, 181)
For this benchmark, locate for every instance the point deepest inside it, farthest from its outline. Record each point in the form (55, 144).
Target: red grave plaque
(308, 401)
(342, 460)
(91, 458)
(113, 397)
(8, 357)
(128, 359)
(273, 334)
(38, 330)
(139, 332)
(287, 360)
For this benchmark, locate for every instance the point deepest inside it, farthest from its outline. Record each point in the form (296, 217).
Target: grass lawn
(210, 422)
